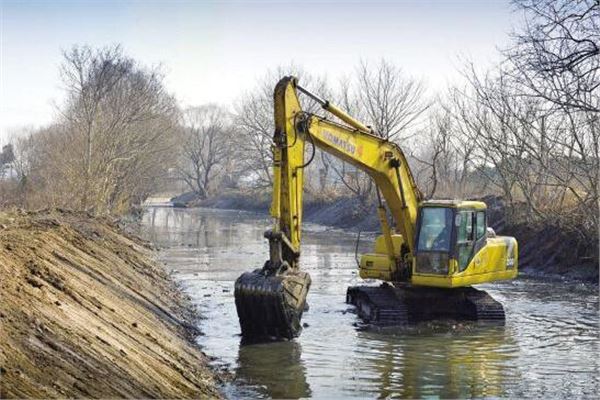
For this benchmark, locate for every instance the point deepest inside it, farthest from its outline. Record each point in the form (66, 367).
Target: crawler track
(386, 305)
(378, 305)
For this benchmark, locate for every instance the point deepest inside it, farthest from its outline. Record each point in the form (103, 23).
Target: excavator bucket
(270, 306)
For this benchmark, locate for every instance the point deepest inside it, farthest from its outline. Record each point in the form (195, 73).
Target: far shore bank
(544, 253)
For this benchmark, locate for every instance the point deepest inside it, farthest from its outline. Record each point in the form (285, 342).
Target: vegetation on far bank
(545, 250)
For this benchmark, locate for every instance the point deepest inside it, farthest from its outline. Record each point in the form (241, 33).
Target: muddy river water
(549, 346)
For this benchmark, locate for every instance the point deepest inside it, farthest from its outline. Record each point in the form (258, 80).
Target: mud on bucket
(270, 306)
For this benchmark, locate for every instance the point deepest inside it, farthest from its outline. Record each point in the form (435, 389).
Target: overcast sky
(213, 51)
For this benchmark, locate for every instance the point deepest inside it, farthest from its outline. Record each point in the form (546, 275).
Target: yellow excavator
(429, 256)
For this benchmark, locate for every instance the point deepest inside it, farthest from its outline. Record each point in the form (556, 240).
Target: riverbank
(87, 312)
(545, 252)
(344, 212)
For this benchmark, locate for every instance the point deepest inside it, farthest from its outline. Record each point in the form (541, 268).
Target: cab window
(436, 229)
(480, 224)
(465, 238)
(465, 227)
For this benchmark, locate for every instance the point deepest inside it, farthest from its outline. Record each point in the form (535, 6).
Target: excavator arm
(353, 143)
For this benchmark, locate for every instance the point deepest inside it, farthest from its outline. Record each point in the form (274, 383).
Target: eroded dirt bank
(86, 312)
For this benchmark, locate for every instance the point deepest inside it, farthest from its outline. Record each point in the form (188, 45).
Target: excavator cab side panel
(497, 260)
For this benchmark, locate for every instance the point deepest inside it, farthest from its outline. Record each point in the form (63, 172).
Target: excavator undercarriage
(271, 307)
(387, 306)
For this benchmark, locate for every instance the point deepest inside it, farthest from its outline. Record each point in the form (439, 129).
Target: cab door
(465, 238)
(470, 237)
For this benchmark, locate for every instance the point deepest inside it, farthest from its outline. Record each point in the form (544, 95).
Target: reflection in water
(455, 364)
(275, 366)
(549, 346)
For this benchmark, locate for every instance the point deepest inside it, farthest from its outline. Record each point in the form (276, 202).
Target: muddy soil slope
(86, 312)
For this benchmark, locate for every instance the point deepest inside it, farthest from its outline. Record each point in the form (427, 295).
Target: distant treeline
(527, 129)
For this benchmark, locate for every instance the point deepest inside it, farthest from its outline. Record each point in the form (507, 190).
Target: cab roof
(461, 204)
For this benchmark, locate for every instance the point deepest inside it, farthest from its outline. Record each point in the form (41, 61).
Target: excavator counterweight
(428, 258)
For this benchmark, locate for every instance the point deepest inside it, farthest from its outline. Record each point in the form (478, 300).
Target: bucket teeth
(271, 306)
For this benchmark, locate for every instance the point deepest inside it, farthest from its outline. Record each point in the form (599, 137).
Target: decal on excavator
(337, 141)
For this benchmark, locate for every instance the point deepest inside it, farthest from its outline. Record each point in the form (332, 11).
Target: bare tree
(208, 147)
(392, 102)
(436, 155)
(556, 55)
(387, 100)
(555, 60)
(116, 137)
(7, 157)
(89, 76)
(255, 119)
(544, 159)
(492, 118)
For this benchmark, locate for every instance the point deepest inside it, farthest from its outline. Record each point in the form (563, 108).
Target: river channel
(549, 346)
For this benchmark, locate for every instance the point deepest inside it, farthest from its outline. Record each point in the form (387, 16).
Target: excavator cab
(455, 248)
